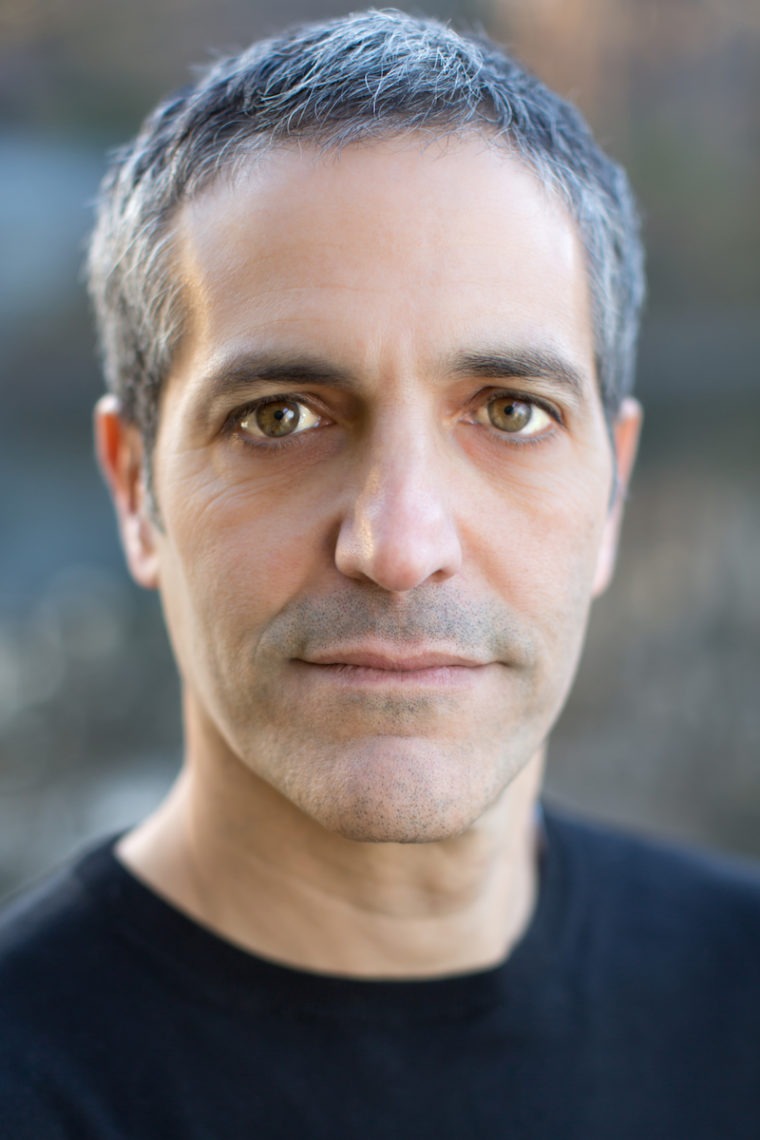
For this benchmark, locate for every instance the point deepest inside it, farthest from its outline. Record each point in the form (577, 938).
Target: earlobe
(120, 455)
(626, 431)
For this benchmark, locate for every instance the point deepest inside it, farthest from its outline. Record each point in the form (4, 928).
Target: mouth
(394, 666)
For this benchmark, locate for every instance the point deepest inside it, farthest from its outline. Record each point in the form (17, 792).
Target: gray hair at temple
(371, 75)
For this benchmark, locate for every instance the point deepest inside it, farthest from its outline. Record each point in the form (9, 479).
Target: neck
(258, 872)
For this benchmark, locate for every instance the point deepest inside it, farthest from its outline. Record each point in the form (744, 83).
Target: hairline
(232, 168)
(325, 86)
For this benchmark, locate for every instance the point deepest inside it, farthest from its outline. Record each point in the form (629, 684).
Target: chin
(368, 826)
(403, 793)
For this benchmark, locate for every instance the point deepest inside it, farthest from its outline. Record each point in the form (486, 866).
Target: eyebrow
(528, 364)
(237, 376)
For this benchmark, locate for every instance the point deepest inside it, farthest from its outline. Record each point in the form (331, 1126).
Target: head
(369, 76)
(368, 295)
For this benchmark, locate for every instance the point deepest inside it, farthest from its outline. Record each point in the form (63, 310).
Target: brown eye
(514, 417)
(277, 418)
(509, 415)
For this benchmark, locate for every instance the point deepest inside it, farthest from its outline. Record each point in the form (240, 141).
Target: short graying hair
(366, 76)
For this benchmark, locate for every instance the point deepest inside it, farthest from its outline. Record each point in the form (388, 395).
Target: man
(367, 296)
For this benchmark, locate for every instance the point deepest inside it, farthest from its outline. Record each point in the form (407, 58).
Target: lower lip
(362, 676)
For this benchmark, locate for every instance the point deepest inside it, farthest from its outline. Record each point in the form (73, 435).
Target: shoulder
(41, 920)
(663, 915)
(54, 950)
(53, 967)
(634, 865)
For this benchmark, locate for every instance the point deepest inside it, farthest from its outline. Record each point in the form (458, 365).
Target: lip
(396, 669)
(386, 661)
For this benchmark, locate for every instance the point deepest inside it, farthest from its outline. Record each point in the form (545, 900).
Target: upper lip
(392, 660)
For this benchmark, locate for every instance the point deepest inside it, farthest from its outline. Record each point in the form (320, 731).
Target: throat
(312, 900)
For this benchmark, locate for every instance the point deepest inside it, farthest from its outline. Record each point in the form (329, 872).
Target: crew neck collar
(531, 979)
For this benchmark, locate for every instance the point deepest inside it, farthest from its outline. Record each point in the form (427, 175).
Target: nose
(398, 529)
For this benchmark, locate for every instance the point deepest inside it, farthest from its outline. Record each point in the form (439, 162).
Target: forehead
(384, 253)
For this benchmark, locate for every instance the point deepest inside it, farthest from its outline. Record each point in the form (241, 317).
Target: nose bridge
(402, 483)
(399, 529)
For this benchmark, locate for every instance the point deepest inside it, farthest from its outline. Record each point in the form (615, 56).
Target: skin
(376, 618)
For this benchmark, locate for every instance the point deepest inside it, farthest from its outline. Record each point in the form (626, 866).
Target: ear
(625, 431)
(119, 450)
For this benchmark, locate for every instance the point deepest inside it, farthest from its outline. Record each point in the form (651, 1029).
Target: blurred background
(663, 729)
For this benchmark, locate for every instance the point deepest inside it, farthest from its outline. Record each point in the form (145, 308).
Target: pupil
(278, 419)
(510, 415)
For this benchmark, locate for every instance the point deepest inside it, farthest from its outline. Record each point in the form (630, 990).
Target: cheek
(538, 541)
(544, 523)
(240, 550)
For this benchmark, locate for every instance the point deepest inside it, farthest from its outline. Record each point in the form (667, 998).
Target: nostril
(398, 545)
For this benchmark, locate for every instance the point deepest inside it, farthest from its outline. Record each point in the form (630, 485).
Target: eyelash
(482, 399)
(514, 440)
(232, 423)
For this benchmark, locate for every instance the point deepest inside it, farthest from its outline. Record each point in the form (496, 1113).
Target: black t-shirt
(630, 1009)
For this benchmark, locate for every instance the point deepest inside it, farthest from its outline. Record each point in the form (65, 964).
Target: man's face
(383, 475)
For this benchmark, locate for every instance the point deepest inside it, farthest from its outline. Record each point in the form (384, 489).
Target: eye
(513, 416)
(278, 417)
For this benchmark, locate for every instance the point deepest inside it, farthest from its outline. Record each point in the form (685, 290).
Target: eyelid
(316, 408)
(488, 395)
(522, 397)
(234, 419)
